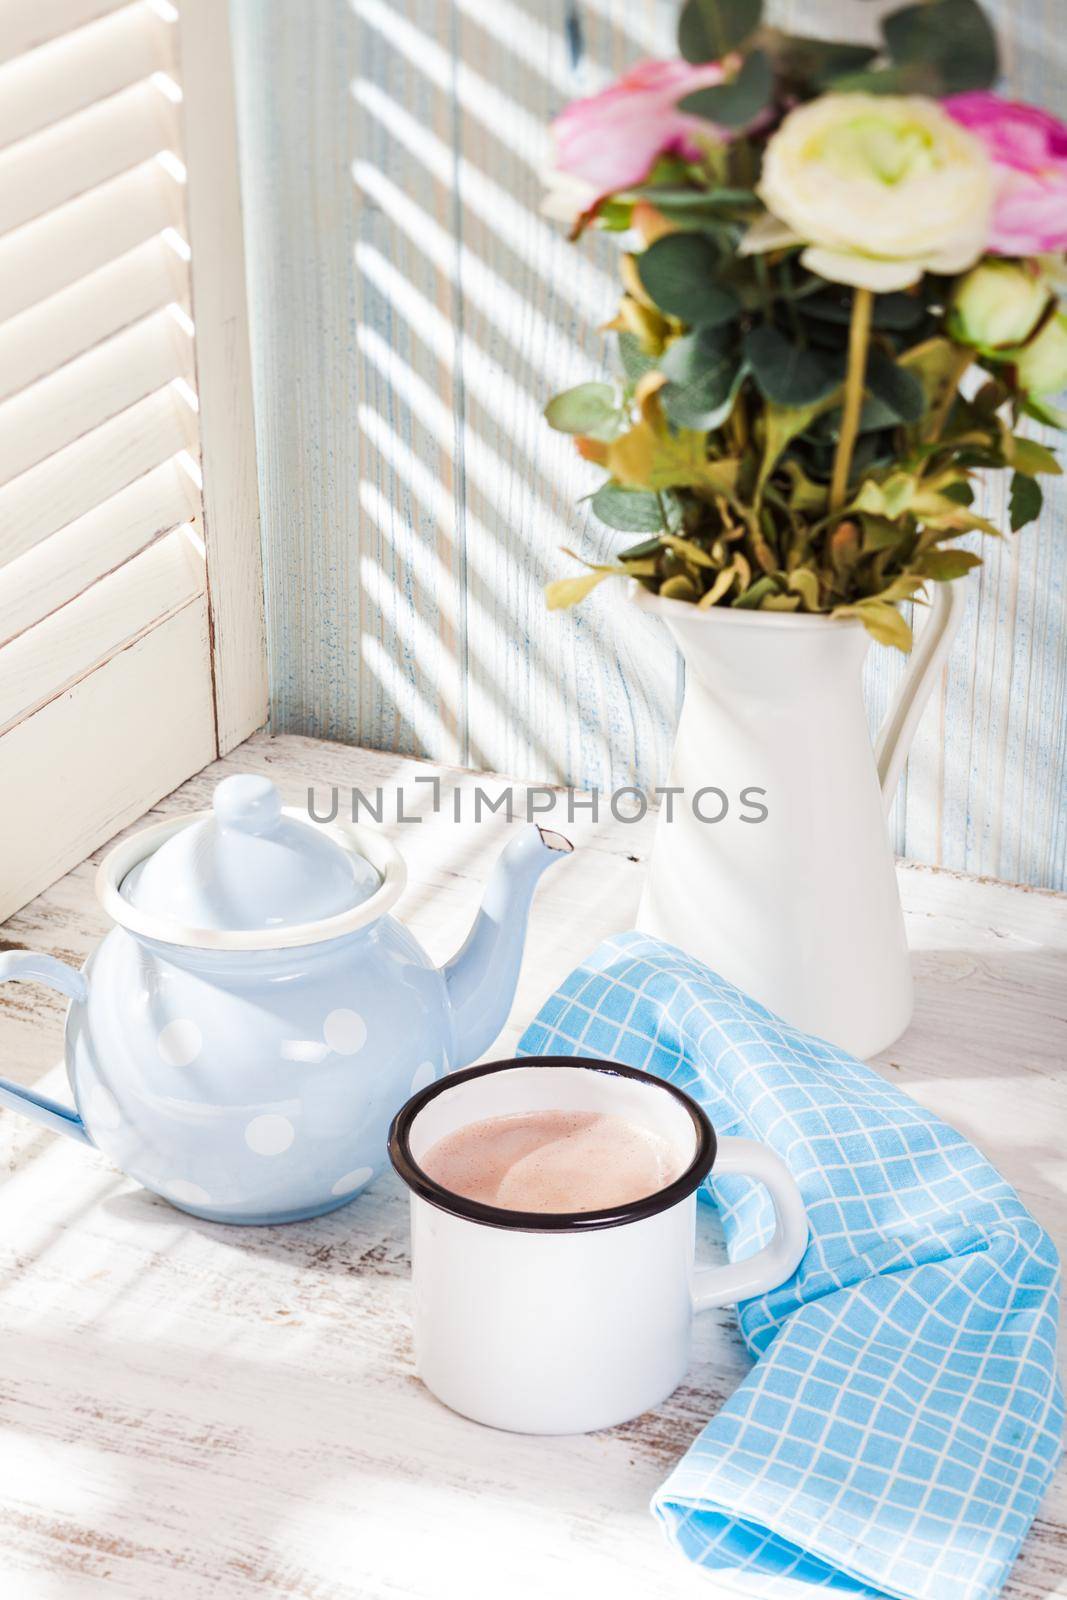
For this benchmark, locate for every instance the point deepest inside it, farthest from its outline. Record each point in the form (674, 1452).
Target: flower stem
(859, 334)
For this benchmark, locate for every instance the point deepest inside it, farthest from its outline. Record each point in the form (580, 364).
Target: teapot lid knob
(247, 803)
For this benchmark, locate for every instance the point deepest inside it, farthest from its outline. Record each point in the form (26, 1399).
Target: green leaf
(879, 533)
(628, 510)
(710, 29)
(733, 104)
(781, 425)
(897, 312)
(635, 552)
(954, 37)
(1025, 500)
(752, 598)
(635, 363)
(1043, 411)
(582, 409)
(899, 390)
(684, 202)
(1030, 457)
(679, 273)
(787, 374)
(917, 77)
(680, 587)
(944, 566)
(960, 493)
(704, 371)
(938, 364)
(816, 62)
(804, 582)
(882, 621)
(562, 593)
(565, 592)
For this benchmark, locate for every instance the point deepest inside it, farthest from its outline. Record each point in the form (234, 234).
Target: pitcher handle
(38, 1107)
(929, 651)
(777, 1261)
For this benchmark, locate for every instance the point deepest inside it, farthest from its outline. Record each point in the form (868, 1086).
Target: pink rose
(611, 140)
(1029, 151)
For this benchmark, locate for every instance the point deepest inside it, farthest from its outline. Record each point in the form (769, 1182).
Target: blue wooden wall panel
(411, 311)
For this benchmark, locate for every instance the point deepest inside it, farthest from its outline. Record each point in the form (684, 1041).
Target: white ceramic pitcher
(799, 909)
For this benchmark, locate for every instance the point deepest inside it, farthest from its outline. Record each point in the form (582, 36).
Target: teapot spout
(481, 977)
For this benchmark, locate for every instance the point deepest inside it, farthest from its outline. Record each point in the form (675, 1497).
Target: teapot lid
(248, 874)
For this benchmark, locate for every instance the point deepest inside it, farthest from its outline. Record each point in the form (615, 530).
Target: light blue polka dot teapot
(241, 1040)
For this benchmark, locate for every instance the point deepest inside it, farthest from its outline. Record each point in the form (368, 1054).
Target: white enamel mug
(545, 1322)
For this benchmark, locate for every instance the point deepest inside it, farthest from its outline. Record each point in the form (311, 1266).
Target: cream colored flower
(880, 188)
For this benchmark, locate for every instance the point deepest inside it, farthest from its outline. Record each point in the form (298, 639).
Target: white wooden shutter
(131, 610)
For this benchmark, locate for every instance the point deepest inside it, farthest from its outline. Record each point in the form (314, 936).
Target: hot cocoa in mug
(553, 1211)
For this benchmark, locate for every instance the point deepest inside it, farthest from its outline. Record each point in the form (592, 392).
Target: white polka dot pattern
(353, 1181)
(270, 1134)
(345, 1032)
(180, 1042)
(185, 1193)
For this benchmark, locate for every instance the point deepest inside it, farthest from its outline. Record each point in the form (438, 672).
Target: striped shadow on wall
(412, 311)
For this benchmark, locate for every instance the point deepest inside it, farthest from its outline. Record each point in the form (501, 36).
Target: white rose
(881, 188)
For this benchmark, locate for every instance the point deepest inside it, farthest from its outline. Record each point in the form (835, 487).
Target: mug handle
(777, 1261)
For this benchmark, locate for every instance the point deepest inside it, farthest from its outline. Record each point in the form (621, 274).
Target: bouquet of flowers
(823, 239)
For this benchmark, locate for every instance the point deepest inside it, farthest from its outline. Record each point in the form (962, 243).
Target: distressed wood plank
(223, 374)
(207, 1413)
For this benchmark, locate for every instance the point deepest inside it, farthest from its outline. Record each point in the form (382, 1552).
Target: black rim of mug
(459, 1205)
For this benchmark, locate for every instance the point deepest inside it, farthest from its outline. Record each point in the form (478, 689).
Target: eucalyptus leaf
(789, 374)
(704, 371)
(1025, 500)
(734, 104)
(628, 510)
(955, 37)
(583, 409)
(781, 425)
(912, 77)
(896, 313)
(635, 363)
(708, 30)
(685, 201)
(898, 390)
(635, 552)
(679, 273)
(816, 62)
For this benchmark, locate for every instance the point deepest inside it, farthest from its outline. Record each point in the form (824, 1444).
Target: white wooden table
(193, 1412)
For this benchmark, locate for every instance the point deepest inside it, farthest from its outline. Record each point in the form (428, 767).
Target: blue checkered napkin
(902, 1418)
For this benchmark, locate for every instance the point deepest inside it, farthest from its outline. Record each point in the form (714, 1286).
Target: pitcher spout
(482, 975)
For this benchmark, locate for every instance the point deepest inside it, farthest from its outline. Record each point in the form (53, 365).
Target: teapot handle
(932, 646)
(38, 1107)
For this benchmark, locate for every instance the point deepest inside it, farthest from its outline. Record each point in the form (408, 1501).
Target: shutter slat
(85, 66)
(76, 480)
(122, 747)
(52, 573)
(47, 336)
(53, 252)
(25, 24)
(75, 155)
(67, 405)
(49, 659)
